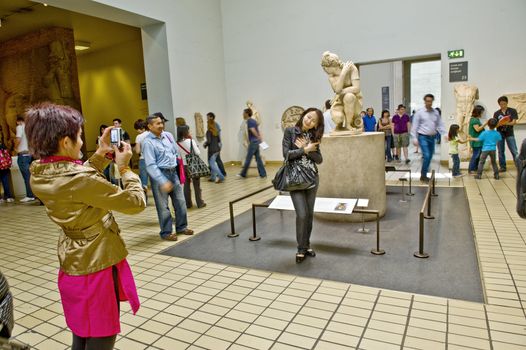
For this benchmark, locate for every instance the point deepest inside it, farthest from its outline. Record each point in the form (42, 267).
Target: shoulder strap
(184, 149)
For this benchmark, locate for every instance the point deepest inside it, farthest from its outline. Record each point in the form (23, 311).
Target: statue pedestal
(353, 167)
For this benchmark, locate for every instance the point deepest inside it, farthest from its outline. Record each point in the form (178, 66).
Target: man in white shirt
(24, 159)
(327, 119)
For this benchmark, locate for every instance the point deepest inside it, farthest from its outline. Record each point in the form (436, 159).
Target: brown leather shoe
(170, 237)
(186, 231)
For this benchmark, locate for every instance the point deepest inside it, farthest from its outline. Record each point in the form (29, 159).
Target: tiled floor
(189, 304)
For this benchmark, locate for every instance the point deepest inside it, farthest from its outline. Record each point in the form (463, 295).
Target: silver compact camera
(116, 137)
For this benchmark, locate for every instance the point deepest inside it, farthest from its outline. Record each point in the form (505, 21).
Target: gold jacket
(79, 199)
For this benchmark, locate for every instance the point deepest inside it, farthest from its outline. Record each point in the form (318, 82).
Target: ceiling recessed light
(82, 45)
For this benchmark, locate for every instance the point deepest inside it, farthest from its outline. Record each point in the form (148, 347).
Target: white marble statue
(345, 82)
(255, 113)
(465, 96)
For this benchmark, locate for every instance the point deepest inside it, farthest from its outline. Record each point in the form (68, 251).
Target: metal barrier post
(231, 208)
(403, 180)
(410, 193)
(254, 237)
(433, 193)
(363, 229)
(378, 251)
(421, 253)
(232, 224)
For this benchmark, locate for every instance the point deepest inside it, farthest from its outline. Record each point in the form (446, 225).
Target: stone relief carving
(345, 82)
(199, 126)
(291, 116)
(465, 96)
(518, 101)
(58, 78)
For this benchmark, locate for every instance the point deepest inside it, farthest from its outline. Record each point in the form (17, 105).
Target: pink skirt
(90, 301)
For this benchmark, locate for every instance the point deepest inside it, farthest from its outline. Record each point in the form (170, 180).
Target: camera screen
(115, 136)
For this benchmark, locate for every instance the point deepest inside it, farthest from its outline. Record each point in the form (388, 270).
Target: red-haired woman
(302, 142)
(94, 275)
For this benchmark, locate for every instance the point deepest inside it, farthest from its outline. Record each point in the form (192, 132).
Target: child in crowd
(454, 140)
(489, 140)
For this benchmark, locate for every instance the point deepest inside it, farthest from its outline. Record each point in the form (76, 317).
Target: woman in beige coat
(94, 274)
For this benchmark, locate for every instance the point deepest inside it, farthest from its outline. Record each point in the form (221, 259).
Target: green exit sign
(455, 54)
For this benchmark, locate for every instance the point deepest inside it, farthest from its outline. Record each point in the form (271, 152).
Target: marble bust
(345, 82)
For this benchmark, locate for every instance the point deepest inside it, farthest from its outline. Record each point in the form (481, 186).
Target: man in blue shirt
(369, 120)
(160, 155)
(426, 123)
(254, 138)
(490, 138)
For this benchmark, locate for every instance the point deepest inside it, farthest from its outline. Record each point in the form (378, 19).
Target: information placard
(458, 71)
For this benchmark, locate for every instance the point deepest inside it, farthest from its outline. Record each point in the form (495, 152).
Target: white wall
(223, 52)
(375, 76)
(273, 47)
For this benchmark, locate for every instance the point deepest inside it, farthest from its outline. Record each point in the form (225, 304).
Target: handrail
(375, 251)
(231, 208)
(390, 168)
(425, 207)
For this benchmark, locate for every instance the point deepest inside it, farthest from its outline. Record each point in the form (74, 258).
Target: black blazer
(293, 152)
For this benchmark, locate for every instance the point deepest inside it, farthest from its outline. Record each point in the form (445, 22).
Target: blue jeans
(163, 209)
(24, 161)
(388, 140)
(456, 164)
(214, 168)
(483, 156)
(4, 177)
(143, 174)
(427, 145)
(253, 150)
(474, 161)
(512, 145)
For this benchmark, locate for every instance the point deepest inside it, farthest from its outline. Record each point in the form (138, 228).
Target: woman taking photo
(213, 142)
(301, 143)
(94, 275)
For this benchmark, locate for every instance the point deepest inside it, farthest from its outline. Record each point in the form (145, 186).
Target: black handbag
(296, 175)
(195, 166)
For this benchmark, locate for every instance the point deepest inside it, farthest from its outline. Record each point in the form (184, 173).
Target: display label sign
(458, 71)
(385, 97)
(455, 53)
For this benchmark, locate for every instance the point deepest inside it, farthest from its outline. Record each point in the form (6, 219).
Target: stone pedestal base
(353, 167)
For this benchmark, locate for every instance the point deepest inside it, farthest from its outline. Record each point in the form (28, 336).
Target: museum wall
(375, 76)
(182, 49)
(273, 48)
(221, 53)
(110, 87)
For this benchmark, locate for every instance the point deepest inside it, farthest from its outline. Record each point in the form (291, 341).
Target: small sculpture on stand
(255, 113)
(199, 126)
(347, 104)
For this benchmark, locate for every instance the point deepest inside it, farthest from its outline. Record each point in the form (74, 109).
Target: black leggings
(102, 343)
(303, 202)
